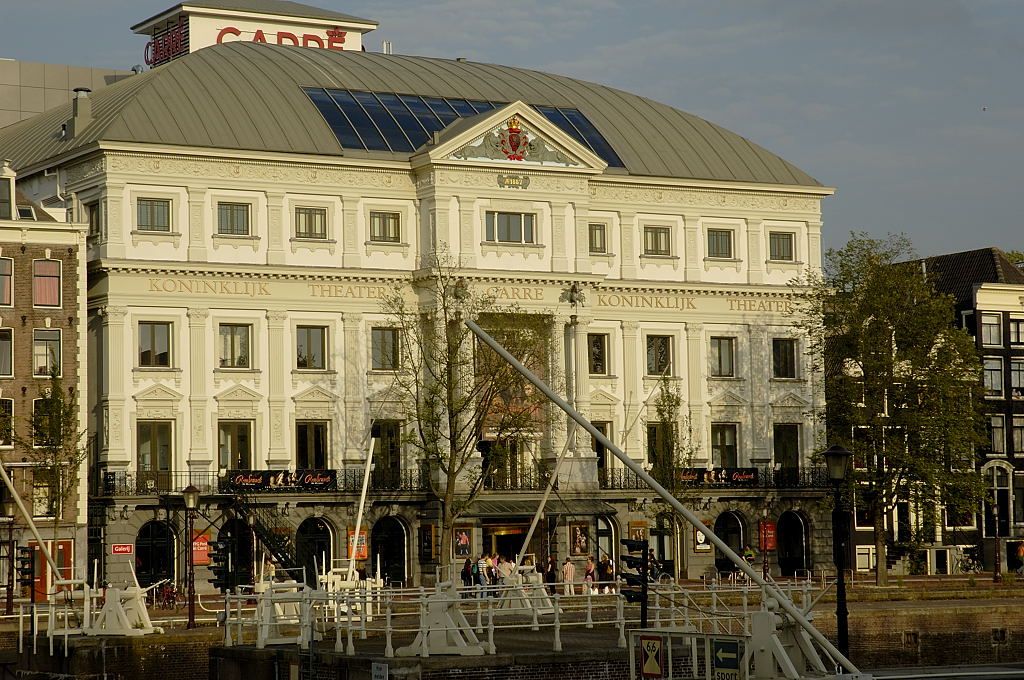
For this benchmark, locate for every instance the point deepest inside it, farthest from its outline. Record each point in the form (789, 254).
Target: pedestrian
(467, 577)
(590, 575)
(492, 573)
(505, 571)
(568, 576)
(551, 574)
(604, 574)
(481, 574)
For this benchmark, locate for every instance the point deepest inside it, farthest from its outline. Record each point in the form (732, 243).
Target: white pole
(751, 573)
(359, 514)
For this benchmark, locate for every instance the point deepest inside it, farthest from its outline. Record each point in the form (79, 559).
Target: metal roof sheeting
(248, 96)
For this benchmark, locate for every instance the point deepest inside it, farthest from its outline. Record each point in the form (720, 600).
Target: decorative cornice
(703, 198)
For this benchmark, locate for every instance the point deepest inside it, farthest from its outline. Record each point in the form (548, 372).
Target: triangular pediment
(602, 397)
(791, 400)
(158, 393)
(316, 394)
(514, 136)
(728, 398)
(239, 393)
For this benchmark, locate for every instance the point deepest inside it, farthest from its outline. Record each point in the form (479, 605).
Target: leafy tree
(901, 382)
(677, 445)
(55, 446)
(1015, 256)
(459, 392)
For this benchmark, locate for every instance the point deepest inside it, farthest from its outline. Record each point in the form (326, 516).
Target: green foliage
(676, 447)
(1015, 256)
(902, 384)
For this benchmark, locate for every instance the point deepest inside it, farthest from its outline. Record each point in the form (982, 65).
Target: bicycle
(167, 597)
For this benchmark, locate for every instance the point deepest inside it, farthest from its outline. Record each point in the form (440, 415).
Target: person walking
(481, 573)
(568, 576)
(467, 577)
(551, 574)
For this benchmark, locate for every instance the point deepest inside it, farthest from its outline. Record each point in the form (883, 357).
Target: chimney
(81, 111)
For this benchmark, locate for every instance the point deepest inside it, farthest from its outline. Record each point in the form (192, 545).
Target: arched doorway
(242, 549)
(792, 544)
(729, 528)
(663, 542)
(605, 538)
(389, 548)
(313, 548)
(154, 553)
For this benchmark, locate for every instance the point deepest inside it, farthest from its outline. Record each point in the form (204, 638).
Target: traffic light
(637, 590)
(220, 565)
(26, 566)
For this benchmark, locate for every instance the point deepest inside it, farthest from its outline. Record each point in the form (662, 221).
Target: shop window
(597, 353)
(384, 349)
(659, 355)
(154, 214)
(234, 444)
(46, 352)
(503, 227)
(723, 357)
(311, 445)
(311, 348)
(235, 344)
(46, 283)
(311, 223)
(233, 219)
(154, 344)
(385, 227)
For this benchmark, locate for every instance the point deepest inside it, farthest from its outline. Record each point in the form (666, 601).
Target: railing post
(350, 649)
(557, 646)
(362, 613)
(590, 610)
(490, 627)
(424, 646)
(389, 650)
(534, 625)
(337, 622)
(620, 614)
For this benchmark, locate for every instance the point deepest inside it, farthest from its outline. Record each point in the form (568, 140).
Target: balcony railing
(152, 483)
(759, 477)
(523, 479)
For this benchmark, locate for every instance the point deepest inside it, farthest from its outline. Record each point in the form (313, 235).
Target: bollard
(557, 646)
(389, 650)
(621, 615)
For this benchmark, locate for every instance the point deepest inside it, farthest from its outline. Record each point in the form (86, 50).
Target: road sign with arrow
(725, 659)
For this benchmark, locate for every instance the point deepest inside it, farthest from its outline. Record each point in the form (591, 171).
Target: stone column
(755, 251)
(115, 441)
(632, 388)
(278, 367)
(759, 370)
(278, 234)
(628, 246)
(813, 254)
(197, 227)
(199, 456)
(696, 386)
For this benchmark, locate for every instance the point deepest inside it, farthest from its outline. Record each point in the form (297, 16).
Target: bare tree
(460, 393)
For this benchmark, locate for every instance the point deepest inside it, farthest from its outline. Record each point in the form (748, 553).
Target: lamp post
(837, 459)
(9, 512)
(191, 496)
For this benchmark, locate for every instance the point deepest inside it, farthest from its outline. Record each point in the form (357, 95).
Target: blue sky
(912, 109)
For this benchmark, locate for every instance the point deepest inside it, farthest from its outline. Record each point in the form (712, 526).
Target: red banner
(362, 551)
(766, 535)
(200, 549)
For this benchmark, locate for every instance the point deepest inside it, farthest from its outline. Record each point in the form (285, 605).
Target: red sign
(361, 550)
(200, 549)
(162, 48)
(334, 40)
(766, 535)
(122, 549)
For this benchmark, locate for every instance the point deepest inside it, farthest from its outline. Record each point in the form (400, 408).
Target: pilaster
(755, 251)
(582, 240)
(197, 228)
(114, 440)
(199, 456)
(559, 254)
(276, 220)
(354, 380)
(469, 235)
(352, 249)
(113, 213)
(759, 370)
(694, 264)
(280, 364)
(695, 386)
(628, 246)
(632, 389)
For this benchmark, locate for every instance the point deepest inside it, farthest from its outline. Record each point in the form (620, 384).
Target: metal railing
(153, 483)
(520, 479)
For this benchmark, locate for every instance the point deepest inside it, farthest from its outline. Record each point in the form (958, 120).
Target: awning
(504, 508)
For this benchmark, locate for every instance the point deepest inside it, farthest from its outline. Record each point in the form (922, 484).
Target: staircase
(271, 531)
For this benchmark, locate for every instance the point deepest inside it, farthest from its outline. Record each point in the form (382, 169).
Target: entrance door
(154, 553)
(313, 549)
(792, 544)
(507, 540)
(389, 549)
(729, 528)
(242, 549)
(62, 553)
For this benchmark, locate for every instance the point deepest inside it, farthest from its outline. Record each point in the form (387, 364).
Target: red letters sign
(333, 40)
(200, 549)
(122, 548)
(167, 46)
(766, 535)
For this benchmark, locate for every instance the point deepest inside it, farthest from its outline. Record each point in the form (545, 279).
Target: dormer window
(6, 198)
(26, 212)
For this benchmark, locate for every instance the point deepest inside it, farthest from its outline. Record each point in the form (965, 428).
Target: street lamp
(191, 496)
(837, 460)
(9, 512)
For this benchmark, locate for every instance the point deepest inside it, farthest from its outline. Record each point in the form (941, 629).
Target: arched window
(154, 553)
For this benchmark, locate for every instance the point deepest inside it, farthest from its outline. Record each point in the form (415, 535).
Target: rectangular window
(502, 227)
(659, 454)
(154, 214)
(6, 199)
(997, 434)
(46, 283)
(154, 446)
(234, 444)
(720, 243)
(235, 343)
(311, 445)
(154, 344)
(92, 216)
(659, 355)
(6, 424)
(783, 357)
(1017, 331)
(1017, 378)
(780, 246)
(993, 376)
(384, 348)
(386, 226)
(233, 219)
(723, 357)
(6, 352)
(1018, 434)
(311, 348)
(598, 238)
(657, 240)
(597, 353)
(723, 444)
(786, 441)
(311, 223)
(387, 471)
(991, 330)
(44, 496)
(6, 280)
(45, 352)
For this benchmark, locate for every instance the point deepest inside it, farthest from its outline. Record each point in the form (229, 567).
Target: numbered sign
(652, 656)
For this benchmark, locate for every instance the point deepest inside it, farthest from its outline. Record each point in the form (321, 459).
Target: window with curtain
(311, 445)
(234, 345)
(45, 352)
(6, 352)
(783, 357)
(384, 349)
(154, 445)
(385, 226)
(6, 280)
(6, 422)
(598, 238)
(154, 344)
(311, 223)
(723, 444)
(233, 219)
(46, 283)
(234, 444)
(723, 355)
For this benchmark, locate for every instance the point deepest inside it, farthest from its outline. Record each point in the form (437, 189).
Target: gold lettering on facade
(516, 293)
(754, 305)
(338, 290)
(646, 301)
(207, 287)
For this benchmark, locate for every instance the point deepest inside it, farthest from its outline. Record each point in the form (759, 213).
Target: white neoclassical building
(250, 204)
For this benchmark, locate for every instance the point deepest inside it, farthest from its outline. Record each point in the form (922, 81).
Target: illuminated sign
(262, 481)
